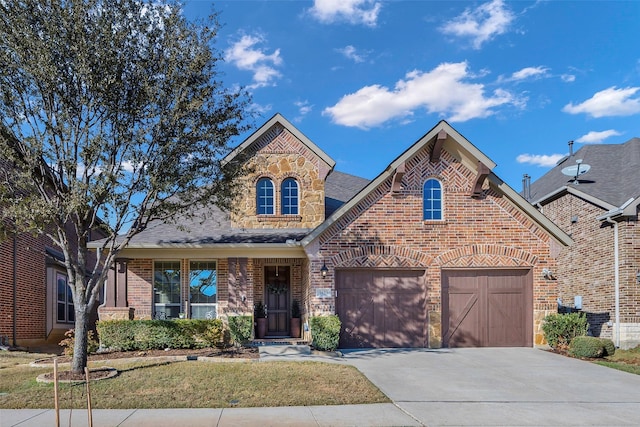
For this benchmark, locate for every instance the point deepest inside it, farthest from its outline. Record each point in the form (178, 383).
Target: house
(596, 202)
(435, 251)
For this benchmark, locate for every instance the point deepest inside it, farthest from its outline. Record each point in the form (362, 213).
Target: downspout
(616, 273)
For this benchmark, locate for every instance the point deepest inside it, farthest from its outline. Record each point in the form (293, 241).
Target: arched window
(289, 195)
(432, 197)
(265, 200)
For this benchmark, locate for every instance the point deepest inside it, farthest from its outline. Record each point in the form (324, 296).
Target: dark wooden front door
(487, 308)
(381, 308)
(277, 295)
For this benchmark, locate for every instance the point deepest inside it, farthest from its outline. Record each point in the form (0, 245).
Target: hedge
(560, 329)
(325, 332)
(127, 335)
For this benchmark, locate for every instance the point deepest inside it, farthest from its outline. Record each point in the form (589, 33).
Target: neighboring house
(435, 251)
(36, 306)
(600, 273)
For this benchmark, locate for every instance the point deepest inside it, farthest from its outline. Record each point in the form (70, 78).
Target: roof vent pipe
(570, 148)
(526, 186)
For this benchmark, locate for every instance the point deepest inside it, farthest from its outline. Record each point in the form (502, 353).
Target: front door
(277, 289)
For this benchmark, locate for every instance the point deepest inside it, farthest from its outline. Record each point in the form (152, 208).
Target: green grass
(193, 384)
(623, 360)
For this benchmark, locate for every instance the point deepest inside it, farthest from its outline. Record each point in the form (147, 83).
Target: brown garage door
(381, 308)
(487, 308)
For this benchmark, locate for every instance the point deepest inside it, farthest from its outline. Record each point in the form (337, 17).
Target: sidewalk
(382, 414)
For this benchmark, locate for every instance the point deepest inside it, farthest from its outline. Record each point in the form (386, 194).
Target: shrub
(584, 346)
(560, 329)
(609, 347)
(127, 335)
(70, 340)
(325, 332)
(240, 328)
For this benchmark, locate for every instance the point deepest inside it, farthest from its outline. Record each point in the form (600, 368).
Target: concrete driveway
(501, 387)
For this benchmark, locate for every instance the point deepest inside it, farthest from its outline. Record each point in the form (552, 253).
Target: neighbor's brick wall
(30, 287)
(279, 155)
(587, 267)
(387, 230)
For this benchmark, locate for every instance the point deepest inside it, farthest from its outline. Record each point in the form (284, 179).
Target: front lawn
(149, 383)
(623, 360)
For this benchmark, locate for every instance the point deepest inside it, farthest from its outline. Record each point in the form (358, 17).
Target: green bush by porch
(325, 332)
(240, 328)
(126, 335)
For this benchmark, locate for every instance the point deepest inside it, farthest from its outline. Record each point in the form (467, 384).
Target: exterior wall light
(324, 270)
(548, 274)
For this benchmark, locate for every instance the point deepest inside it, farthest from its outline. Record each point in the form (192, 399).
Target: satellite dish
(576, 170)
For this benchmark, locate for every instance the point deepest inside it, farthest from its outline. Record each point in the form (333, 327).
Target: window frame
(269, 208)
(429, 213)
(68, 310)
(286, 205)
(213, 305)
(162, 314)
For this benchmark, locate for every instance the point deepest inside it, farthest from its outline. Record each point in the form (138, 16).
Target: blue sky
(365, 79)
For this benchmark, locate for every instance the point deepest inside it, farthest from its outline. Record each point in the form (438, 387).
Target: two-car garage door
(480, 308)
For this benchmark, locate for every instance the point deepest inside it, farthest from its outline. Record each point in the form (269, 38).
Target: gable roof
(612, 181)
(470, 156)
(212, 226)
(278, 118)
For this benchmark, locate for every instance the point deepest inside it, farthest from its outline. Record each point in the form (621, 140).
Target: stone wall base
(116, 313)
(629, 335)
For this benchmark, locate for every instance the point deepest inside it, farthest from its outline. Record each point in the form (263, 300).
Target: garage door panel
(404, 320)
(357, 314)
(506, 320)
(464, 320)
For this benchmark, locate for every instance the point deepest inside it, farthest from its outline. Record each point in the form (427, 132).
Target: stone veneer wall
(587, 268)
(279, 155)
(386, 230)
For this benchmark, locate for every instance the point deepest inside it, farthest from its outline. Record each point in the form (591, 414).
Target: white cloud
(530, 72)
(594, 137)
(350, 52)
(246, 56)
(353, 11)
(568, 78)
(481, 24)
(607, 103)
(303, 107)
(543, 160)
(443, 91)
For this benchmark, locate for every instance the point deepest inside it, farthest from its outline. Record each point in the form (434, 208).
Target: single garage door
(487, 308)
(381, 308)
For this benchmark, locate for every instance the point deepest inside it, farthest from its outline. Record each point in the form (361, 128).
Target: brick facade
(386, 230)
(587, 268)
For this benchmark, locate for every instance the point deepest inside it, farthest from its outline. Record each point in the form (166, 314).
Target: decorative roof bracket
(397, 178)
(483, 172)
(437, 146)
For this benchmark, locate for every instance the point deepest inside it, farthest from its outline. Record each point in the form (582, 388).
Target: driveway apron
(501, 387)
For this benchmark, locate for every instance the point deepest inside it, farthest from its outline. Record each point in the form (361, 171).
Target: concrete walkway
(460, 387)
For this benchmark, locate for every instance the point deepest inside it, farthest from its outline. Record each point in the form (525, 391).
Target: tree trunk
(80, 346)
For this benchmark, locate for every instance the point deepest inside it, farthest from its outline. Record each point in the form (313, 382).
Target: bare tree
(110, 111)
